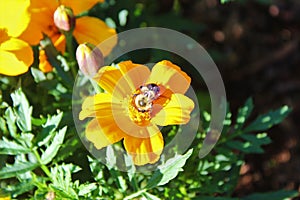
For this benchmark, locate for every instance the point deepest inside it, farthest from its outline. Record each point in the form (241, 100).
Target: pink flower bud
(89, 59)
(64, 18)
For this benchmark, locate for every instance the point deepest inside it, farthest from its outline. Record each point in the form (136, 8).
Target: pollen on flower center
(141, 102)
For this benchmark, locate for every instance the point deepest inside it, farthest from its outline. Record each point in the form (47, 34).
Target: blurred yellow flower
(87, 29)
(135, 102)
(15, 55)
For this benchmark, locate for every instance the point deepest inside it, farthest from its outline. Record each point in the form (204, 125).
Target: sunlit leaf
(168, 170)
(16, 169)
(52, 150)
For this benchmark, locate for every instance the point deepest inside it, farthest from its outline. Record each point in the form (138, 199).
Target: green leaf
(266, 121)
(252, 143)
(37, 74)
(52, 150)
(277, 195)
(11, 121)
(214, 198)
(168, 170)
(87, 188)
(12, 148)
(16, 169)
(244, 113)
(49, 127)
(20, 188)
(225, 1)
(22, 110)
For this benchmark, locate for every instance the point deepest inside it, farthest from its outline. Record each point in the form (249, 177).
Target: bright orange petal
(41, 21)
(15, 58)
(176, 111)
(102, 134)
(95, 31)
(100, 106)
(112, 80)
(137, 74)
(14, 16)
(44, 65)
(170, 76)
(145, 150)
(59, 41)
(79, 5)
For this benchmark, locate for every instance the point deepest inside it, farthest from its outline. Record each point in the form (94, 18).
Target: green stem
(43, 167)
(96, 86)
(70, 49)
(134, 183)
(136, 194)
(82, 14)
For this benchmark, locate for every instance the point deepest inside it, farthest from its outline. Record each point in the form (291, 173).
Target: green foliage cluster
(37, 160)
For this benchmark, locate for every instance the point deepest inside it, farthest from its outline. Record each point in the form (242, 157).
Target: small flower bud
(64, 18)
(89, 59)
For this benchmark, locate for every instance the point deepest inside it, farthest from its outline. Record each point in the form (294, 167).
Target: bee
(145, 96)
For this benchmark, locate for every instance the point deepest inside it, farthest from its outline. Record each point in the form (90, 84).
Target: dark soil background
(255, 44)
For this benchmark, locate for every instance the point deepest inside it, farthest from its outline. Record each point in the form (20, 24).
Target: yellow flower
(15, 55)
(87, 29)
(135, 102)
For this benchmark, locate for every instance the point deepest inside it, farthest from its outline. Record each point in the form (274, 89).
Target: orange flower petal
(112, 80)
(100, 106)
(169, 75)
(136, 73)
(44, 65)
(103, 133)
(41, 21)
(95, 31)
(79, 6)
(145, 150)
(15, 57)
(176, 111)
(59, 42)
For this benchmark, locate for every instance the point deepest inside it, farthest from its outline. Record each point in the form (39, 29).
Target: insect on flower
(145, 96)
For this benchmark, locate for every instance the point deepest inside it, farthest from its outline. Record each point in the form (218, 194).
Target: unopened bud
(64, 18)
(89, 59)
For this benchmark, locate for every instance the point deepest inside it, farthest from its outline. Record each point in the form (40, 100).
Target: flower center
(141, 102)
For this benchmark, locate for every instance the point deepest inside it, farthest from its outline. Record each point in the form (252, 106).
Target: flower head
(89, 59)
(15, 54)
(136, 102)
(64, 18)
(87, 29)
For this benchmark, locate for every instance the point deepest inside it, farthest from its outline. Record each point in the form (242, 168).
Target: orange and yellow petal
(95, 31)
(15, 57)
(102, 134)
(44, 65)
(59, 41)
(79, 6)
(136, 74)
(41, 21)
(176, 111)
(144, 150)
(14, 16)
(112, 80)
(171, 76)
(101, 105)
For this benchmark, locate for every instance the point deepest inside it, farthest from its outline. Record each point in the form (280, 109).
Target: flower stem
(82, 14)
(136, 194)
(43, 167)
(70, 49)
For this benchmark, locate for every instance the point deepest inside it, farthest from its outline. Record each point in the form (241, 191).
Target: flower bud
(89, 59)
(64, 18)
